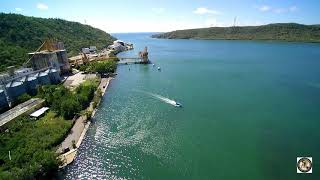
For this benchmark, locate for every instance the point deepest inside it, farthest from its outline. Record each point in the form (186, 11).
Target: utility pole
(234, 21)
(9, 156)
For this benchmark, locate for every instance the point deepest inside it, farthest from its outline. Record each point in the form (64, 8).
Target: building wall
(63, 61)
(15, 89)
(54, 76)
(3, 101)
(45, 60)
(32, 84)
(44, 78)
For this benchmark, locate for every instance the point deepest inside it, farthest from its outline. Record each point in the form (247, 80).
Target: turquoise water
(250, 108)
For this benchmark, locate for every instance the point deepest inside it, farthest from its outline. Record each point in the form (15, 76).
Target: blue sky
(166, 15)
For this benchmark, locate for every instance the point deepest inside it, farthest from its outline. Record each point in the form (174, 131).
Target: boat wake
(164, 99)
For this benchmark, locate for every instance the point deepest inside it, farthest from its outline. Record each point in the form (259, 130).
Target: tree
(69, 107)
(107, 66)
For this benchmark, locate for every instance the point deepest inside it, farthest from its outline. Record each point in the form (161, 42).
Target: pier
(130, 60)
(141, 59)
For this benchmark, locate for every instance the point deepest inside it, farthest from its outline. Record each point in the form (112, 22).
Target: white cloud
(203, 10)
(42, 6)
(158, 10)
(264, 8)
(18, 9)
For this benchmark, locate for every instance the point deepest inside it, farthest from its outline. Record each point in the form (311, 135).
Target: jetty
(141, 59)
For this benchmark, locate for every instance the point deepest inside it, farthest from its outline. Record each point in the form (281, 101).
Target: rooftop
(39, 112)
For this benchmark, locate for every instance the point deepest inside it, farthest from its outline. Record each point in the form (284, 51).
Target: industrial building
(47, 64)
(16, 85)
(56, 59)
(51, 54)
(119, 46)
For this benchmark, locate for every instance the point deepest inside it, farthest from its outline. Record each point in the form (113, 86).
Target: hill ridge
(21, 34)
(276, 31)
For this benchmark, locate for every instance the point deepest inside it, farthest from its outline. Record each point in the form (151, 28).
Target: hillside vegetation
(21, 34)
(32, 143)
(280, 31)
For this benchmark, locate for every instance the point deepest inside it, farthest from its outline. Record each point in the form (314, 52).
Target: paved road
(79, 125)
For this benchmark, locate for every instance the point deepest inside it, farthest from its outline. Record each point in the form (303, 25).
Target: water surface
(250, 108)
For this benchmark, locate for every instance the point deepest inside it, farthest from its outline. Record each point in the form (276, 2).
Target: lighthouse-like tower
(144, 55)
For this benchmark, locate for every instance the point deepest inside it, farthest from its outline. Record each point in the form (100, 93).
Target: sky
(114, 16)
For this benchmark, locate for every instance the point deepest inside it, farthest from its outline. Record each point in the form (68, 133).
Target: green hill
(280, 31)
(21, 34)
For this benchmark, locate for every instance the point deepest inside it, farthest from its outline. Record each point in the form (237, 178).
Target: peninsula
(278, 32)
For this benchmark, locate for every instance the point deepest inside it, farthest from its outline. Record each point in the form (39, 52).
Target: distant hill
(21, 34)
(280, 31)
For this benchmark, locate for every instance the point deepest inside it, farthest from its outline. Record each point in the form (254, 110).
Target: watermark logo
(304, 164)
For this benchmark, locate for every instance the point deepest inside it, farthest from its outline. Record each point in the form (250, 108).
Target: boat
(178, 104)
(159, 68)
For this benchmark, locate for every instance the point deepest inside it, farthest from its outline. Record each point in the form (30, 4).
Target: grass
(32, 146)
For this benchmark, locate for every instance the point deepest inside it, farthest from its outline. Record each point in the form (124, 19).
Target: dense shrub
(65, 102)
(101, 67)
(31, 144)
(22, 98)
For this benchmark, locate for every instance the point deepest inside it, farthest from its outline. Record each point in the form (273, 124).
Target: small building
(93, 49)
(89, 50)
(85, 50)
(38, 113)
(116, 48)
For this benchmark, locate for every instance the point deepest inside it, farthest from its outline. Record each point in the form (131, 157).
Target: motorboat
(178, 104)
(159, 68)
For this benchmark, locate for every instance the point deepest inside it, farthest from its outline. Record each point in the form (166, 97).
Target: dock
(131, 60)
(141, 59)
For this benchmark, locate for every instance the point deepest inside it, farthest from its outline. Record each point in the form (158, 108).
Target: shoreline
(249, 40)
(79, 129)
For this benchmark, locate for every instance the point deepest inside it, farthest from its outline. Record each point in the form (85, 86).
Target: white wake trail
(164, 99)
(159, 97)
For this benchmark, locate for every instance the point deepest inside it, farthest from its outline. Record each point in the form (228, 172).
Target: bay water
(250, 108)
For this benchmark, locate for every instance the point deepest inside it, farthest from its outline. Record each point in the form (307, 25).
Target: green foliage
(22, 98)
(101, 67)
(31, 144)
(67, 103)
(280, 31)
(21, 34)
